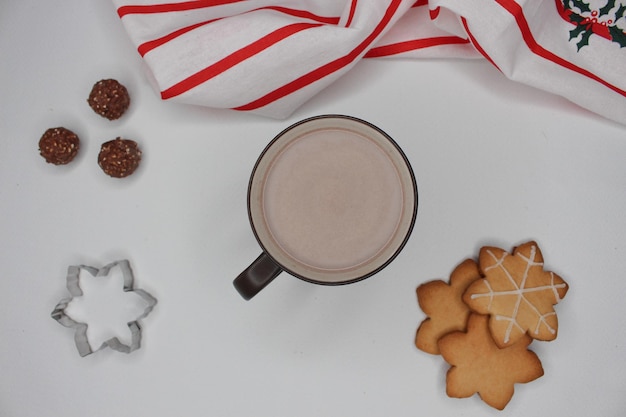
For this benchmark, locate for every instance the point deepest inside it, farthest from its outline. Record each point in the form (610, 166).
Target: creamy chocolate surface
(332, 199)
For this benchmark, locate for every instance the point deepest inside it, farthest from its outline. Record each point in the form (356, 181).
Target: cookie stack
(484, 319)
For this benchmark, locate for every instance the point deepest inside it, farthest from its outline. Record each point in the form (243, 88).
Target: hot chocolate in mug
(331, 200)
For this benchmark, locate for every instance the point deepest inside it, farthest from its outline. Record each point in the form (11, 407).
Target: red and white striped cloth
(270, 56)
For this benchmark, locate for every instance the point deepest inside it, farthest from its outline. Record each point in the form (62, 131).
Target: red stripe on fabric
(303, 14)
(565, 14)
(146, 47)
(516, 11)
(351, 14)
(476, 44)
(420, 3)
(234, 59)
(434, 13)
(171, 7)
(401, 47)
(326, 69)
(150, 45)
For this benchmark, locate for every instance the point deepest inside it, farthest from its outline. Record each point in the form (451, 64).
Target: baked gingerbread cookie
(443, 303)
(517, 294)
(478, 365)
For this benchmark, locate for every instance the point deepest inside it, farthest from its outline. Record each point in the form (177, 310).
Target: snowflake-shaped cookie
(479, 366)
(517, 294)
(443, 304)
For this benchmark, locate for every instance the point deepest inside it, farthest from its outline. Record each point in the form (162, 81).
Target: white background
(497, 163)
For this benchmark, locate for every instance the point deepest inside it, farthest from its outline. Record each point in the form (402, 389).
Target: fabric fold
(269, 57)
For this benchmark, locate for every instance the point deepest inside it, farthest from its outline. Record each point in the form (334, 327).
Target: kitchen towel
(271, 56)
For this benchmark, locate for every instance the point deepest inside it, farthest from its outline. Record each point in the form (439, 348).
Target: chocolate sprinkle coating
(109, 99)
(119, 158)
(59, 145)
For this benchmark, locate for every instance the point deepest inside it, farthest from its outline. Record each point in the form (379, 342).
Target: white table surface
(497, 163)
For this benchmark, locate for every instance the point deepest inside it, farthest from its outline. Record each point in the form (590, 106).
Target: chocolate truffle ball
(109, 99)
(119, 158)
(59, 145)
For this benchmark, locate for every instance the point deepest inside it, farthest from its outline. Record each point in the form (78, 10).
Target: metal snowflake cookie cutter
(80, 334)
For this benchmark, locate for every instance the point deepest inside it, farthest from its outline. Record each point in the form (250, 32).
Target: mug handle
(256, 277)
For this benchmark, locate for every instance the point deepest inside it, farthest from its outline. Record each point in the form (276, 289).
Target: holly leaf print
(618, 35)
(607, 7)
(517, 294)
(574, 33)
(584, 41)
(581, 5)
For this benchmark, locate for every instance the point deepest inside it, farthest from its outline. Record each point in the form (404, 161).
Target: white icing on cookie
(520, 292)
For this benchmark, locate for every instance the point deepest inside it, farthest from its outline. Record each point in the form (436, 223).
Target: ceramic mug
(331, 200)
